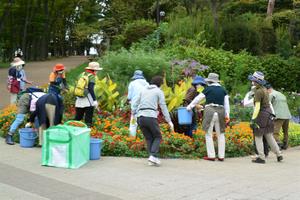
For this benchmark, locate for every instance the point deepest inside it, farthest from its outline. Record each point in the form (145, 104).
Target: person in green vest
(283, 115)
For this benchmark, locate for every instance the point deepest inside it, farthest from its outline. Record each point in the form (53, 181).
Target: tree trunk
(214, 8)
(271, 6)
(5, 14)
(26, 22)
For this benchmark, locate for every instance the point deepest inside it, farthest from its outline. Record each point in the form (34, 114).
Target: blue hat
(199, 80)
(257, 77)
(138, 74)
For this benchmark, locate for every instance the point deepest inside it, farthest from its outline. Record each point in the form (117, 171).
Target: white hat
(212, 77)
(94, 66)
(17, 61)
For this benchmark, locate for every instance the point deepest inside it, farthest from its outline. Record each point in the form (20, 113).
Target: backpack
(81, 88)
(13, 84)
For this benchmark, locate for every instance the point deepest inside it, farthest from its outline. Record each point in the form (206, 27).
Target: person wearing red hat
(57, 79)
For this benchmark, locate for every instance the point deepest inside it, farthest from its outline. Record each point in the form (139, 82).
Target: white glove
(189, 108)
(95, 104)
(171, 125)
(28, 125)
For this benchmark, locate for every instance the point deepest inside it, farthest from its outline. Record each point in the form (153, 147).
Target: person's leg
(50, 111)
(88, 118)
(156, 135)
(277, 126)
(273, 144)
(79, 113)
(209, 139)
(266, 147)
(260, 147)
(146, 132)
(285, 128)
(41, 130)
(13, 128)
(221, 139)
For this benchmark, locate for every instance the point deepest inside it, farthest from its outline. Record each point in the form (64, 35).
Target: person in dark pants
(146, 108)
(197, 84)
(85, 105)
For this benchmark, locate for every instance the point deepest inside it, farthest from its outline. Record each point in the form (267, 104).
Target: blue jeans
(18, 121)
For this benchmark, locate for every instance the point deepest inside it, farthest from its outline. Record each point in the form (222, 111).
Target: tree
(271, 5)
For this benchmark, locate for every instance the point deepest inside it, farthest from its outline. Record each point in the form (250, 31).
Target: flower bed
(112, 128)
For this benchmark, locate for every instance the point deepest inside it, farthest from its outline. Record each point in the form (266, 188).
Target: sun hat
(17, 61)
(198, 80)
(94, 66)
(257, 77)
(58, 67)
(138, 74)
(213, 77)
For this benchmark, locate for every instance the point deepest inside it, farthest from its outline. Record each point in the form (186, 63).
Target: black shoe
(9, 140)
(279, 158)
(259, 160)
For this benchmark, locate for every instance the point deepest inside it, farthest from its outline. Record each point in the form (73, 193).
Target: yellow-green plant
(107, 96)
(175, 97)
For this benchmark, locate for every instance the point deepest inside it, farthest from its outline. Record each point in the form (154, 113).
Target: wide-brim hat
(17, 62)
(199, 80)
(94, 66)
(257, 77)
(138, 74)
(213, 77)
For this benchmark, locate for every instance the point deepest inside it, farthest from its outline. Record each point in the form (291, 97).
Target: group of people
(269, 108)
(46, 109)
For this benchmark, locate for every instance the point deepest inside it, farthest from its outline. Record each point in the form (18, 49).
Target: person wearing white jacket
(146, 109)
(216, 115)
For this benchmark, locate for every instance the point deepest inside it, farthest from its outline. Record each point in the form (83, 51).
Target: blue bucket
(27, 137)
(184, 116)
(95, 148)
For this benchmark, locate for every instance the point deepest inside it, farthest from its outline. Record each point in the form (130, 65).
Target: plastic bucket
(27, 137)
(95, 148)
(184, 116)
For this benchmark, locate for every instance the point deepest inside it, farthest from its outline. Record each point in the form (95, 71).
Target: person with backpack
(57, 79)
(16, 78)
(135, 87)
(26, 104)
(85, 94)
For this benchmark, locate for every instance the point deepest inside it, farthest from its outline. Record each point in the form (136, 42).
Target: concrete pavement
(22, 177)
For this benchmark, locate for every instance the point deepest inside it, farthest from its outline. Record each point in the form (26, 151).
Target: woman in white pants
(216, 115)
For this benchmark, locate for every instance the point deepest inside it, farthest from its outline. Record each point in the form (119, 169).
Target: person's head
(258, 78)
(94, 66)
(268, 86)
(59, 68)
(157, 80)
(18, 63)
(138, 74)
(212, 78)
(199, 83)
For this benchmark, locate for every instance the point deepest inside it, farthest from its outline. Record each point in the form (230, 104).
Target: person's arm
(129, 95)
(135, 104)
(163, 106)
(91, 87)
(248, 101)
(32, 116)
(256, 110)
(227, 106)
(195, 101)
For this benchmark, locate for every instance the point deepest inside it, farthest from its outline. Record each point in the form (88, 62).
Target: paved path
(112, 178)
(38, 72)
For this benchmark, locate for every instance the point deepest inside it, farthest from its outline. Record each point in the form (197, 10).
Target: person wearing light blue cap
(198, 85)
(135, 87)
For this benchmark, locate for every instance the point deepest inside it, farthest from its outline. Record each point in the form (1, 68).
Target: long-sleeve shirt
(202, 96)
(149, 100)
(134, 89)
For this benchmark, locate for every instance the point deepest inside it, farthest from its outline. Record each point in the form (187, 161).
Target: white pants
(133, 125)
(209, 138)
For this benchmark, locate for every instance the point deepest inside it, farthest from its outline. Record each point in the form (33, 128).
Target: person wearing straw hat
(216, 115)
(135, 87)
(17, 78)
(262, 121)
(85, 105)
(198, 85)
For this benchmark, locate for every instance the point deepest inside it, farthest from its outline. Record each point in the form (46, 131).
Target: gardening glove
(253, 124)
(171, 125)
(189, 108)
(95, 104)
(28, 125)
(227, 120)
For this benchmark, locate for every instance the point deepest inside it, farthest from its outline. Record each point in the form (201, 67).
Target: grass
(4, 65)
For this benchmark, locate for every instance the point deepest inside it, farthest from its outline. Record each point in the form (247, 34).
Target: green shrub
(283, 46)
(283, 18)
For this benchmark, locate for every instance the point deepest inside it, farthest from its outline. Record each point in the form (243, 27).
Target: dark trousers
(87, 112)
(151, 132)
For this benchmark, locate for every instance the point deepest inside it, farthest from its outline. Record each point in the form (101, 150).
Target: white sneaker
(151, 163)
(154, 160)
